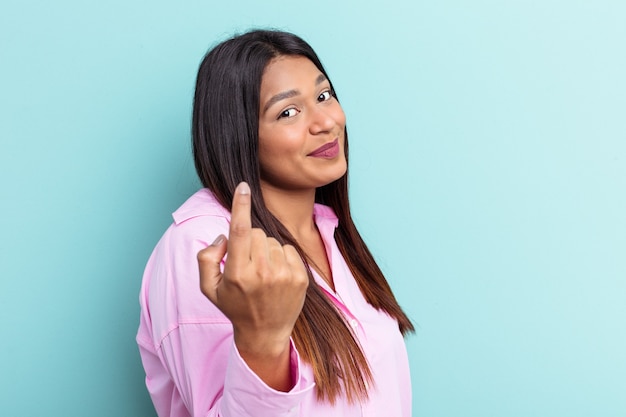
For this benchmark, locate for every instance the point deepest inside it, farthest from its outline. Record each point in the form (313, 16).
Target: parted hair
(225, 128)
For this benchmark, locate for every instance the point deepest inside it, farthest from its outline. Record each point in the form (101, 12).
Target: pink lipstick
(328, 150)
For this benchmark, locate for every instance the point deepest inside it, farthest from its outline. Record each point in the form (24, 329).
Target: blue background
(488, 145)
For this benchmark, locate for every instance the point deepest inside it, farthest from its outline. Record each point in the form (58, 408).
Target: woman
(289, 315)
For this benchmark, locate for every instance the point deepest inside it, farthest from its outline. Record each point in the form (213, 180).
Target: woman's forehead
(289, 72)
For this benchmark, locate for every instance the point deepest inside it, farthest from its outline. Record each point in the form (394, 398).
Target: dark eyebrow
(290, 93)
(278, 97)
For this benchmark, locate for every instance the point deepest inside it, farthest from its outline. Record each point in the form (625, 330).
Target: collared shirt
(186, 344)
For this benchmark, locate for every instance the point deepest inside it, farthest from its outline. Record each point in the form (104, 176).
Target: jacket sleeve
(192, 365)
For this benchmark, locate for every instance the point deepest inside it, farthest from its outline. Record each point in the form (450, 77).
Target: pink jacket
(186, 344)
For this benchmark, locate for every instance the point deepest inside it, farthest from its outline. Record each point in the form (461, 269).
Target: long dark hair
(225, 147)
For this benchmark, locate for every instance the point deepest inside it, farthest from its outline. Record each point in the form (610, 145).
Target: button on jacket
(186, 344)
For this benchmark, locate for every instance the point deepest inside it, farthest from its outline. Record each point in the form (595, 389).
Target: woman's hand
(261, 291)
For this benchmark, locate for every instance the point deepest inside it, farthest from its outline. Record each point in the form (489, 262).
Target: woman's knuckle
(203, 256)
(238, 229)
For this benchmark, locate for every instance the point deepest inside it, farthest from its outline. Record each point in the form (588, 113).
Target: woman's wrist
(270, 360)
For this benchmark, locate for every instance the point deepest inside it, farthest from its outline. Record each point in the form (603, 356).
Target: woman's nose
(321, 120)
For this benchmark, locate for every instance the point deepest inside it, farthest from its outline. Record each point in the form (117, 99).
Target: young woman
(262, 299)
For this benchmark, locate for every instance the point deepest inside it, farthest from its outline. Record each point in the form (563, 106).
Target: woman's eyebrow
(280, 96)
(289, 93)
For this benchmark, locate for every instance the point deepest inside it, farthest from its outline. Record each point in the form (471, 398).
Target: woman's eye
(324, 96)
(288, 113)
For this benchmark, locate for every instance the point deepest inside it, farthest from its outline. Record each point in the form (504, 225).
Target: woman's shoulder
(201, 204)
(196, 223)
(170, 288)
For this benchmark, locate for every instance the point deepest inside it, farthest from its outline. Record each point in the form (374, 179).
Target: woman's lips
(328, 150)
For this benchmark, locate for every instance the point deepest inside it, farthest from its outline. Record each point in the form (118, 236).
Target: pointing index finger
(240, 224)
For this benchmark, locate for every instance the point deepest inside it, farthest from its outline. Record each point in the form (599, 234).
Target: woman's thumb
(209, 260)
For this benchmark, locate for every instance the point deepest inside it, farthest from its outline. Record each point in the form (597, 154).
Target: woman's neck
(293, 208)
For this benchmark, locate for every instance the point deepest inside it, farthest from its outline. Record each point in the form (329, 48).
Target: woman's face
(301, 127)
